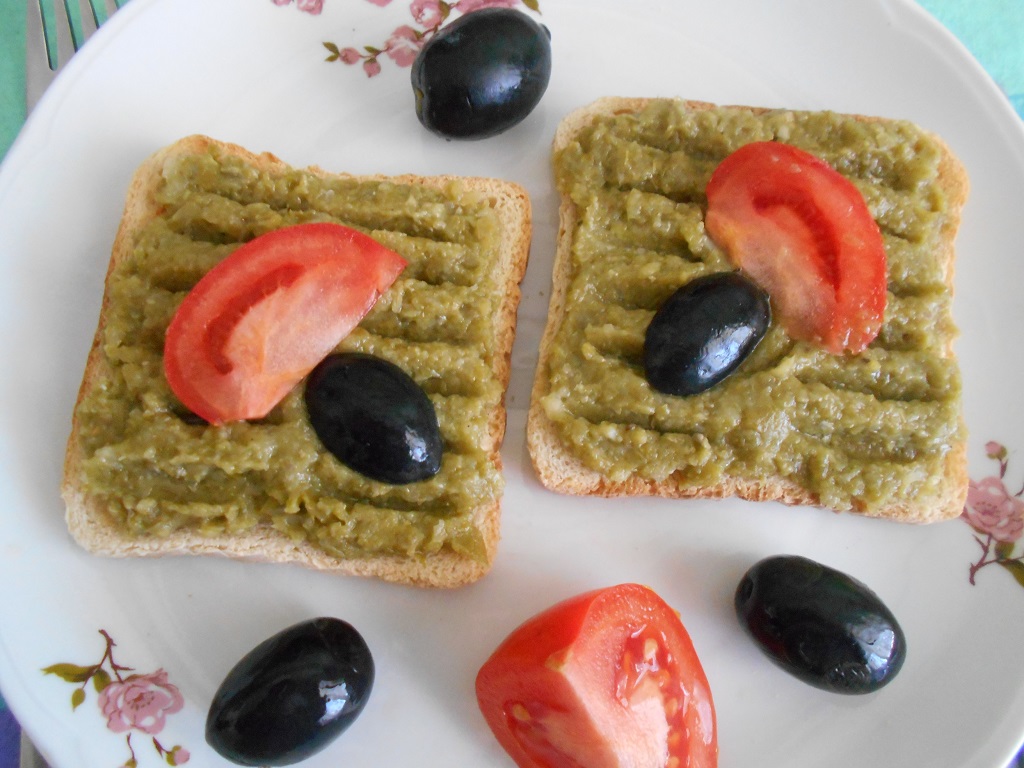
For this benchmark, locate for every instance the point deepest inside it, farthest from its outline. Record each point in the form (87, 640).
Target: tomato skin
(805, 234)
(606, 679)
(262, 318)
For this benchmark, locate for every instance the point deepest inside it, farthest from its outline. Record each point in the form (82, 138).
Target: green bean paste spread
(860, 431)
(159, 469)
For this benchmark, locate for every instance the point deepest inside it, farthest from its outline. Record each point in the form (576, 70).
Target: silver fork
(45, 55)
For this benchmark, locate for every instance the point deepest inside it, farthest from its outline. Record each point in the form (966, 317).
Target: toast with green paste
(879, 433)
(144, 477)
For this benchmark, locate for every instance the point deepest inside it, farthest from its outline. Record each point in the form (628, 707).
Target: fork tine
(53, 34)
(37, 59)
(109, 6)
(63, 31)
(89, 21)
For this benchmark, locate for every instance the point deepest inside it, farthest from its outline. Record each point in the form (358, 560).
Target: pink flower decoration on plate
(129, 702)
(403, 46)
(140, 702)
(350, 55)
(991, 509)
(997, 517)
(313, 7)
(427, 13)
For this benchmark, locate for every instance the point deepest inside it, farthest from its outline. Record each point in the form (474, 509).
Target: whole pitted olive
(374, 418)
(703, 332)
(291, 695)
(821, 625)
(481, 74)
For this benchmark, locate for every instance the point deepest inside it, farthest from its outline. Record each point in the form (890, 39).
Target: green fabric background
(12, 70)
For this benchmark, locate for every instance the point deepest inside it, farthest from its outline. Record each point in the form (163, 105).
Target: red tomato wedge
(261, 319)
(804, 233)
(608, 678)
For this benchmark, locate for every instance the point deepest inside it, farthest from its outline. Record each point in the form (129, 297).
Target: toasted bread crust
(93, 528)
(560, 470)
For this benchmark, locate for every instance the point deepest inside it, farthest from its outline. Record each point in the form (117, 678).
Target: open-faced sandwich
(756, 303)
(197, 430)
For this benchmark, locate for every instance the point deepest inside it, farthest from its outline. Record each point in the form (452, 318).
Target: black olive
(481, 74)
(703, 332)
(291, 695)
(374, 418)
(820, 625)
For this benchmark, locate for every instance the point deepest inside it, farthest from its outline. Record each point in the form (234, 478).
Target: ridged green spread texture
(159, 470)
(859, 431)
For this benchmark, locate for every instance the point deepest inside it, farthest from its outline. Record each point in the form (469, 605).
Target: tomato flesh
(260, 320)
(606, 679)
(803, 232)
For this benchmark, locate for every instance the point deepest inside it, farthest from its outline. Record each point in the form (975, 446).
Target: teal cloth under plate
(993, 31)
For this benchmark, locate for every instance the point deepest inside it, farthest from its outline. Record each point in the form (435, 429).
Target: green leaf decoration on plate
(70, 673)
(1016, 568)
(131, 703)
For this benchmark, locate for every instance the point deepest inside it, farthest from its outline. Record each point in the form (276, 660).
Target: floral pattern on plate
(130, 702)
(997, 517)
(405, 41)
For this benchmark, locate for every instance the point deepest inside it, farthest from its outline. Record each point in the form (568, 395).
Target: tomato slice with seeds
(804, 233)
(262, 318)
(608, 678)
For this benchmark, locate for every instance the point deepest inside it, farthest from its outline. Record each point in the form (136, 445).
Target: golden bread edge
(560, 471)
(90, 524)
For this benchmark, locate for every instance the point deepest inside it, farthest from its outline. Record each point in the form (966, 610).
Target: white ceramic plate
(252, 72)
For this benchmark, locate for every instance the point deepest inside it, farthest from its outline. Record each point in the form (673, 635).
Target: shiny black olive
(820, 625)
(291, 695)
(481, 74)
(703, 332)
(374, 418)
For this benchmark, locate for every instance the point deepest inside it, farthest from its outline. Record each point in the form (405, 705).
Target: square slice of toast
(143, 477)
(880, 433)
